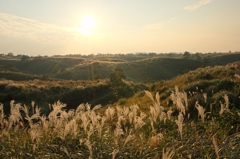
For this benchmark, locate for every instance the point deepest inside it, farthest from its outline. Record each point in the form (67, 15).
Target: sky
(56, 27)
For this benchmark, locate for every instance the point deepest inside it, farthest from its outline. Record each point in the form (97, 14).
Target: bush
(122, 101)
(204, 76)
(225, 84)
(233, 98)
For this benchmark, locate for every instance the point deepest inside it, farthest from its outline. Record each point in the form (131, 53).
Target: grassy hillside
(214, 82)
(73, 93)
(194, 115)
(137, 67)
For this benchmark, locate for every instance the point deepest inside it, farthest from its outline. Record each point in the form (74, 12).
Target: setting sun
(119, 26)
(88, 24)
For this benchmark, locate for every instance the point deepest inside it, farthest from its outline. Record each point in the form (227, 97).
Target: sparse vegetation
(194, 115)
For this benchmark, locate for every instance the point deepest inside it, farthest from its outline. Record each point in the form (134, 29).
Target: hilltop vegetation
(152, 70)
(211, 82)
(137, 67)
(195, 114)
(73, 93)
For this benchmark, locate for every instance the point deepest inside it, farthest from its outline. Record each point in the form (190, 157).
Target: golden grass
(119, 131)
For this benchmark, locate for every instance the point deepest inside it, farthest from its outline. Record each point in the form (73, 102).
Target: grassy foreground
(122, 132)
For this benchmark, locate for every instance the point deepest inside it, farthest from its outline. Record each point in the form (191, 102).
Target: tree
(10, 54)
(205, 61)
(198, 56)
(117, 85)
(25, 58)
(186, 55)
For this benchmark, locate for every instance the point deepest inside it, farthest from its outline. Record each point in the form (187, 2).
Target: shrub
(233, 98)
(122, 101)
(225, 84)
(204, 76)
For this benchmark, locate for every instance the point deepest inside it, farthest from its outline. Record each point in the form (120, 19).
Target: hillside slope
(206, 85)
(136, 67)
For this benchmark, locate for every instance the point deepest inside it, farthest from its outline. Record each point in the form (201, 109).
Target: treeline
(139, 67)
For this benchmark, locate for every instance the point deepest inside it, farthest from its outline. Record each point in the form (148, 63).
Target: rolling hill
(137, 67)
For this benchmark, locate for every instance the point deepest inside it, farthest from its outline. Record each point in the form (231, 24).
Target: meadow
(122, 131)
(193, 115)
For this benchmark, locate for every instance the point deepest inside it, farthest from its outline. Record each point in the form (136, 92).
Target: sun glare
(88, 24)
(84, 31)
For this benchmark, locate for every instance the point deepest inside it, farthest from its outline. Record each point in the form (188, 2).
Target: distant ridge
(137, 67)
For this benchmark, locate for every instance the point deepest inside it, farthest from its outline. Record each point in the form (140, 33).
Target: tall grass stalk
(119, 132)
(168, 154)
(215, 144)
(179, 123)
(180, 100)
(201, 111)
(224, 106)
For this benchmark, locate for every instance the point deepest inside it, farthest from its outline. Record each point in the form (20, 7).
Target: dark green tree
(25, 58)
(10, 54)
(186, 55)
(198, 56)
(205, 61)
(117, 85)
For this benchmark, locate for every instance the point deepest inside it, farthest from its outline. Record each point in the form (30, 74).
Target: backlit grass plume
(201, 111)
(120, 131)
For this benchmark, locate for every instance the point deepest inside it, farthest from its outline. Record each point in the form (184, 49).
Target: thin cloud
(159, 25)
(19, 27)
(198, 5)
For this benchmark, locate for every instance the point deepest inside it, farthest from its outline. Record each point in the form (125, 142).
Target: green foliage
(44, 92)
(225, 84)
(122, 101)
(204, 75)
(17, 76)
(233, 98)
(117, 77)
(97, 77)
(25, 58)
(186, 55)
(117, 86)
(137, 67)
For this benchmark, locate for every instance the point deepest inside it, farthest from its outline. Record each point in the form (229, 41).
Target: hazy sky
(53, 27)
